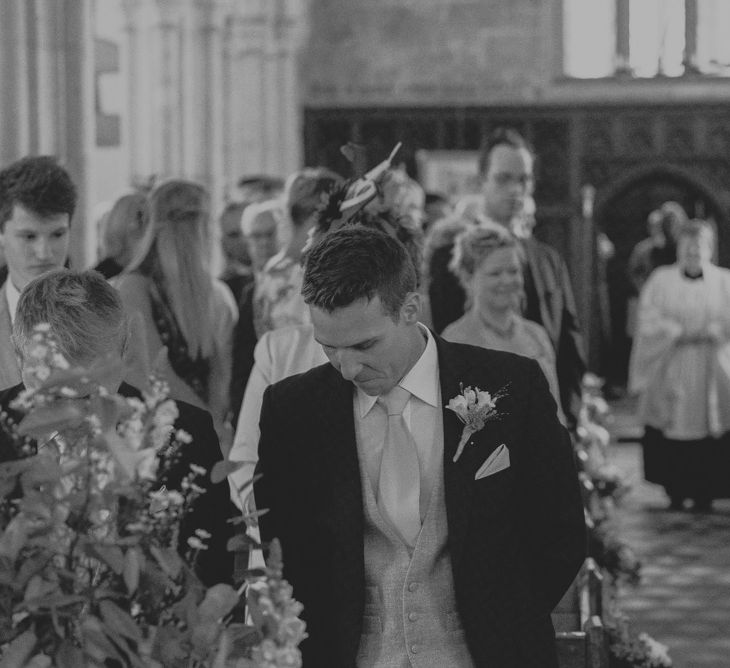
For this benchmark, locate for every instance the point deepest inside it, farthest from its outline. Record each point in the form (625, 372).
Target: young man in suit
(401, 555)
(37, 201)
(86, 317)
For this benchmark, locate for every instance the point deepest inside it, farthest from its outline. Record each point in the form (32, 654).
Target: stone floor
(683, 599)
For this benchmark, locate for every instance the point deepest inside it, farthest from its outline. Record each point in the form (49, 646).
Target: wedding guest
(506, 167)
(399, 553)
(486, 261)
(436, 207)
(680, 366)
(237, 273)
(37, 202)
(86, 317)
(123, 229)
(184, 308)
(277, 301)
(260, 226)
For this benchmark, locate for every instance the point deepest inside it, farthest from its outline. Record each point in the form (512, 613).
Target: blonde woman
(487, 262)
(183, 307)
(124, 227)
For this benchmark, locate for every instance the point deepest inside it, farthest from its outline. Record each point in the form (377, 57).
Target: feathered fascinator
(361, 201)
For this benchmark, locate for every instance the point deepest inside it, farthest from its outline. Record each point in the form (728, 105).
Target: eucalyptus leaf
(17, 652)
(219, 601)
(168, 559)
(58, 416)
(119, 620)
(222, 469)
(242, 542)
(111, 555)
(131, 569)
(69, 656)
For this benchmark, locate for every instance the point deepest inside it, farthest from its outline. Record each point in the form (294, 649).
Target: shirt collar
(13, 295)
(421, 381)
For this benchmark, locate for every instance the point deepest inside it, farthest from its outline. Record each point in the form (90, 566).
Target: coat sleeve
(570, 355)
(553, 504)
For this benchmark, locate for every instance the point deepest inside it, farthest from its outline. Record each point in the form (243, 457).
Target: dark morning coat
(516, 538)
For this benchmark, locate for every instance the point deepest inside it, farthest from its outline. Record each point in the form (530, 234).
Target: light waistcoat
(410, 618)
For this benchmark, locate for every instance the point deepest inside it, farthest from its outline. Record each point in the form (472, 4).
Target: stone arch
(657, 171)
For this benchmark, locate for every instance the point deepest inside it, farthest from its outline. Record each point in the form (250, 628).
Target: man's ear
(412, 308)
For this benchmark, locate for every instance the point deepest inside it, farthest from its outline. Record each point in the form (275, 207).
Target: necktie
(400, 479)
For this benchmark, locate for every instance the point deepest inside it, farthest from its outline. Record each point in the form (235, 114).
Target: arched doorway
(622, 209)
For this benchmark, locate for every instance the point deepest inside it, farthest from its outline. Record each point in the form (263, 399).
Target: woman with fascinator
(287, 351)
(168, 284)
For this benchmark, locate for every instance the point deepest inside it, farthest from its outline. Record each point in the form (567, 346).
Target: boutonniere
(474, 407)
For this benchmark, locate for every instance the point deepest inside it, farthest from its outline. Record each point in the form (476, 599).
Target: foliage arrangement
(603, 486)
(91, 568)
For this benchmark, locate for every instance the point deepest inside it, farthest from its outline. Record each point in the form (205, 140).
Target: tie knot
(395, 401)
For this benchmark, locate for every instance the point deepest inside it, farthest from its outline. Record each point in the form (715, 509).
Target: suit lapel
(458, 486)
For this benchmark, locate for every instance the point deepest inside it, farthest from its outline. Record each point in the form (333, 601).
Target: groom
(401, 555)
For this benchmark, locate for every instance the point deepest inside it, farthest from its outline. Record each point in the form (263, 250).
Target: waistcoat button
(414, 649)
(412, 616)
(413, 586)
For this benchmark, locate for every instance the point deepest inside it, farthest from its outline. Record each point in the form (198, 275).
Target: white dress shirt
(422, 415)
(13, 296)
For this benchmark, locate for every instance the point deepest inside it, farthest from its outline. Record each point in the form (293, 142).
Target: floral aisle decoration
(91, 568)
(603, 486)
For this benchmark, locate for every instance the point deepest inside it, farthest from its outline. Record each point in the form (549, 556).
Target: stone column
(292, 33)
(166, 89)
(248, 88)
(77, 109)
(623, 44)
(691, 18)
(137, 116)
(49, 74)
(202, 97)
(14, 102)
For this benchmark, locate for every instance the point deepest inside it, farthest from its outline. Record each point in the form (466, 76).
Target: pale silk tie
(400, 479)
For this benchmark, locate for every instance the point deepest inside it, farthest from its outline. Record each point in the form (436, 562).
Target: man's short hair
(355, 263)
(500, 136)
(39, 184)
(85, 314)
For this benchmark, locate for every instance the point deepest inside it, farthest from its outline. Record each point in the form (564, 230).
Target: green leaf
(69, 656)
(58, 416)
(13, 538)
(219, 601)
(132, 564)
(111, 555)
(168, 559)
(17, 652)
(242, 542)
(222, 469)
(14, 468)
(171, 646)
(119, 620)
(96, 644)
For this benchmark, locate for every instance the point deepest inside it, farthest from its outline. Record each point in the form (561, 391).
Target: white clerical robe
(680, 361)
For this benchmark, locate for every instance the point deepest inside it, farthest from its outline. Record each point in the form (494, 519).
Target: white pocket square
(496, 462)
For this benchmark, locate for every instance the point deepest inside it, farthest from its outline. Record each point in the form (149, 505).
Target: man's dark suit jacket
(211, 510)
(516, 538)
(550, 302)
